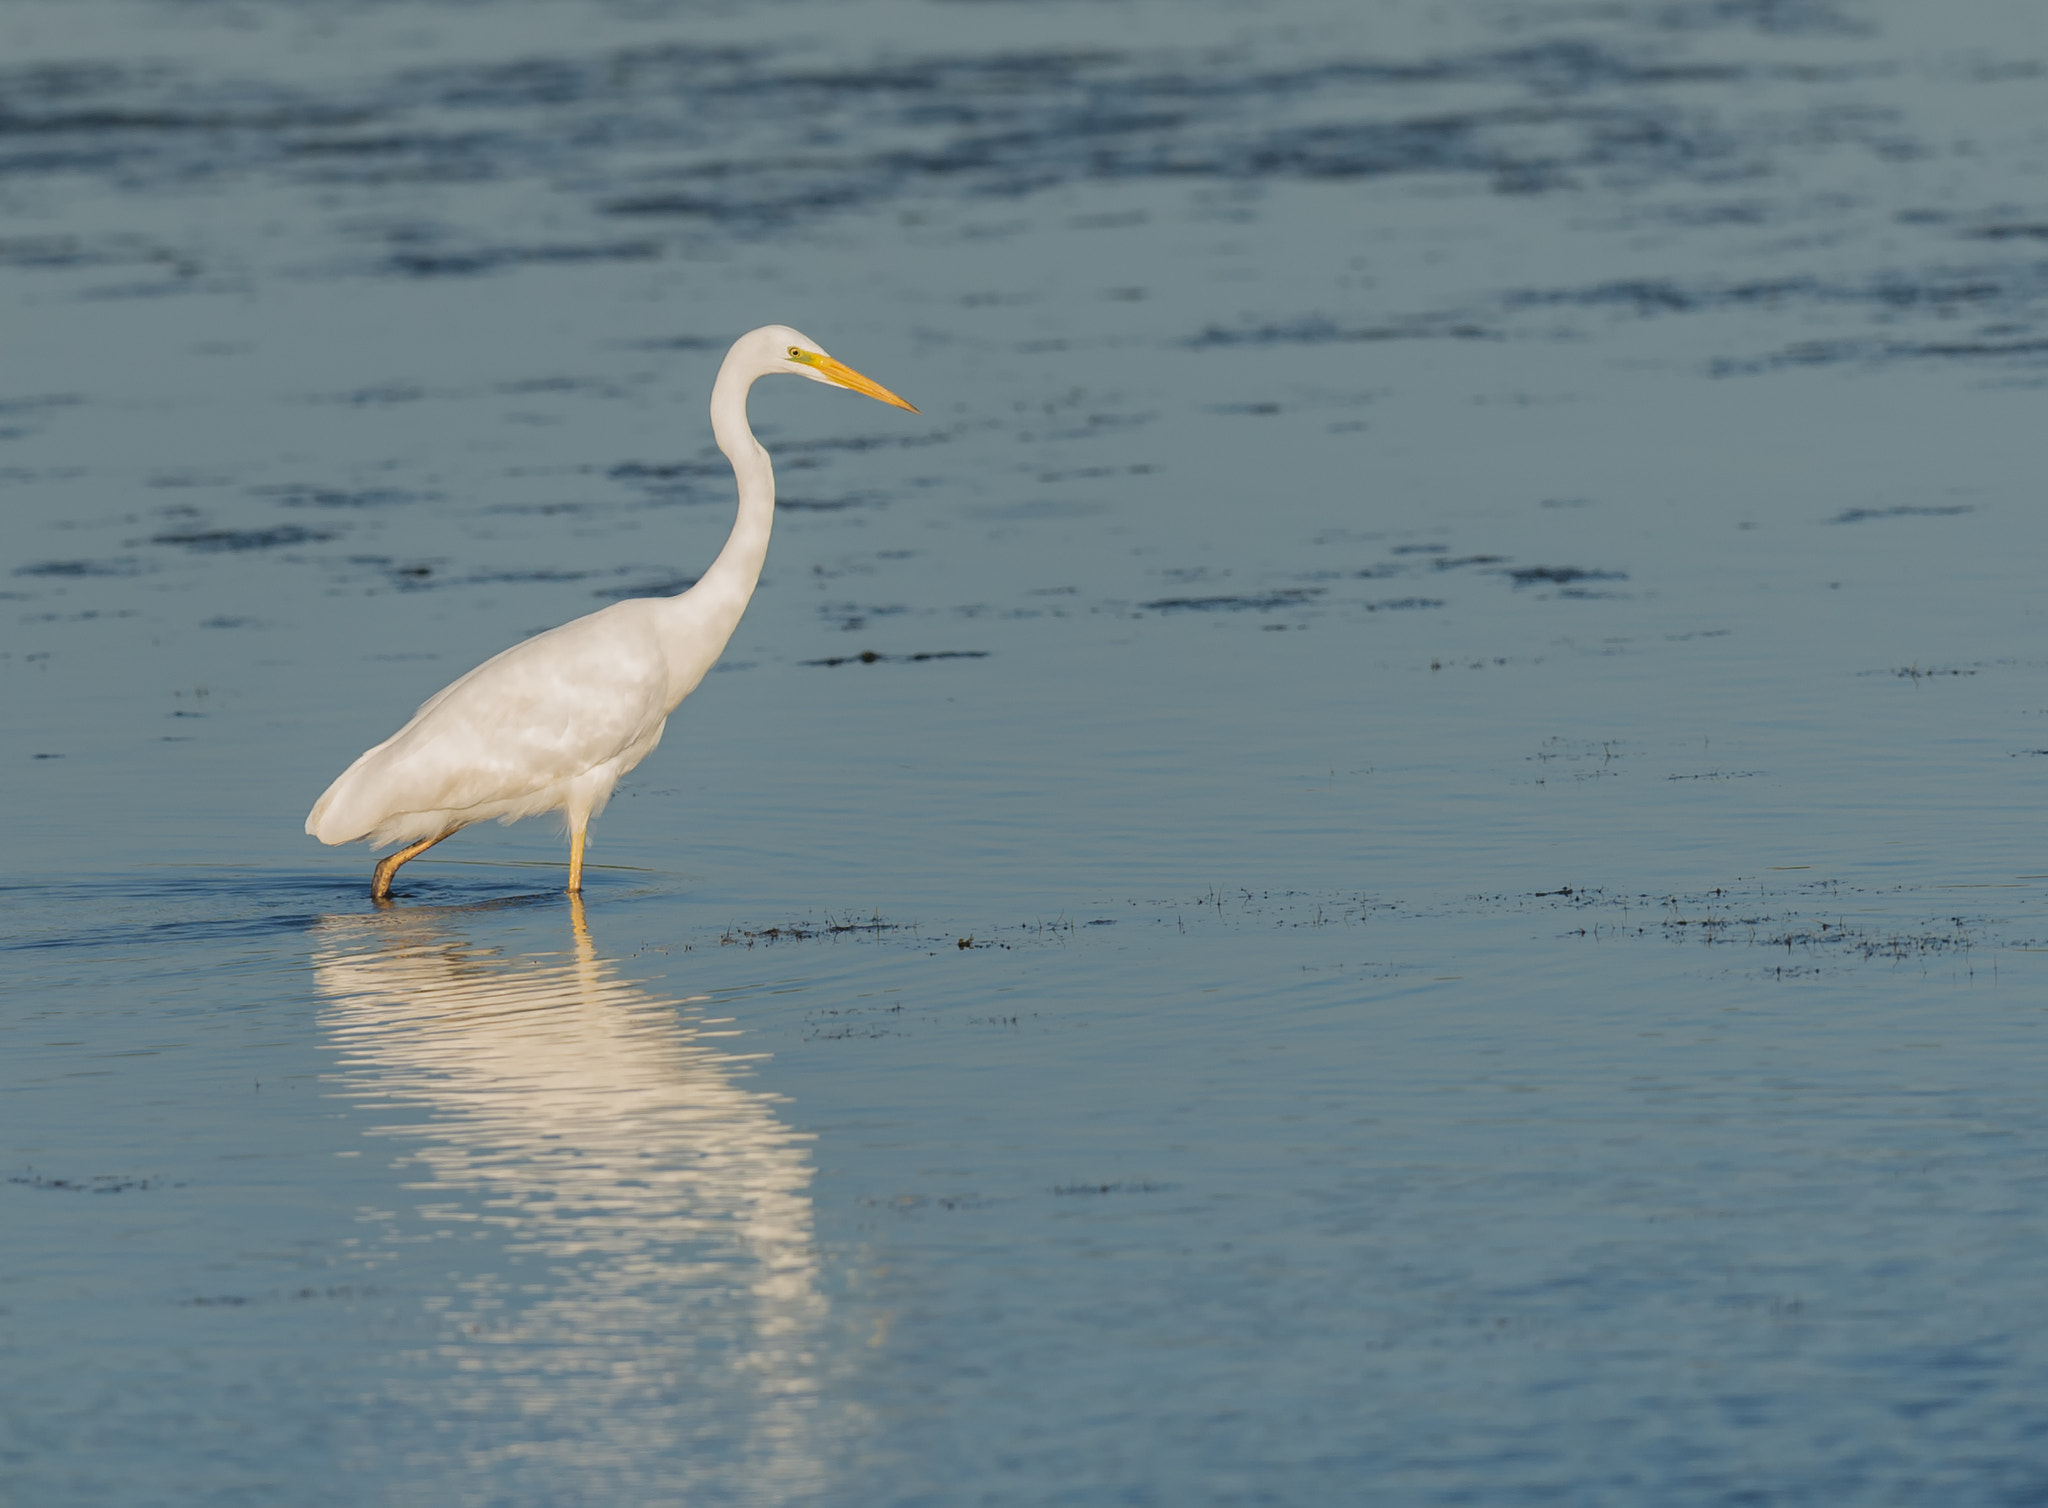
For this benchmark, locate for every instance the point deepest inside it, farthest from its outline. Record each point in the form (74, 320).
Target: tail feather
(340, 815)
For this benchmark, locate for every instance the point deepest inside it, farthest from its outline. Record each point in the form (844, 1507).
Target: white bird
(551, 724)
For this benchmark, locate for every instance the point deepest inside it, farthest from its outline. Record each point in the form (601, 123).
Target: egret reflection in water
(632, 1296)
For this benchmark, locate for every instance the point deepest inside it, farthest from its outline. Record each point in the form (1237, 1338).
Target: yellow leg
(576, 862)
(380, 882)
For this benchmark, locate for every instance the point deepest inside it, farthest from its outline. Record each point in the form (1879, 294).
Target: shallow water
(1389, 857)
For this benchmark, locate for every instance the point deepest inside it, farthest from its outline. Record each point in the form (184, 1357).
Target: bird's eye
(795, 352)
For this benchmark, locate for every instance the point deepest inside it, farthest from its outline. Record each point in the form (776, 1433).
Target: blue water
(1389, 858)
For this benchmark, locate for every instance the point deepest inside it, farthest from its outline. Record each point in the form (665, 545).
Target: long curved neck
(696, 625)
(722, 593)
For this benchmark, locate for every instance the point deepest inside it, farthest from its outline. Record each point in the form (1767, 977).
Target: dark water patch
(1097, 1190)
(669, 482)
(1772, 17)
(102, 1183)
(667, 471)
(306, 495)
(1937, 290)
(1745, 212)
(830, 505)
(70, 252)
(435, 575)
(390, 144)
(596, 387)
(29, 476)
(147, 936)
(409, 576)
(37, 106)
(855, 444)
(46, 251)
(1821, 353)
(544, 510)
(1039, 509)
(169, 912)
(852, 617)
(1262, 602)
(536, 83)
(343, 1292)
(376, 395)
(528, 576)
(1559, 575)
(71, 569)
(185, 281)
(771, 137)
(667, 586)
(1403, 604)
(433, 264)
(2029, 232)
(1459, 562)
(1904, 510)
(1651, 296)
(763, 210)
(2011, 297)
(1965, 350)
(222, 541)
(176, 478)
(1089, 473)
(421, 575)
(873, 657)
(86, 615)
(41, 404)
(676, 343)
(1317, 329)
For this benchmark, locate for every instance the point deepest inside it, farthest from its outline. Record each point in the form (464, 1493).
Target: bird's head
(778, 348)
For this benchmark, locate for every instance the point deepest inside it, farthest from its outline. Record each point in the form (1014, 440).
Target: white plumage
(551, 724)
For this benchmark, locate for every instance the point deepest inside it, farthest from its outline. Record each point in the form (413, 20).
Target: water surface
(1387, 858)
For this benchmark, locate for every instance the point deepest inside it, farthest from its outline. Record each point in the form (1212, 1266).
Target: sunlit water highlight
(653, 1216)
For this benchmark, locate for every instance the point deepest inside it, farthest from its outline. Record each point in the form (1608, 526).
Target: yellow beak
(847, 377)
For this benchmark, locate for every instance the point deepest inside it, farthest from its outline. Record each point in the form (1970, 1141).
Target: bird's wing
(538, 715)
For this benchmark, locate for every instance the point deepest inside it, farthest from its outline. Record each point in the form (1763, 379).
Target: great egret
(551, 724)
